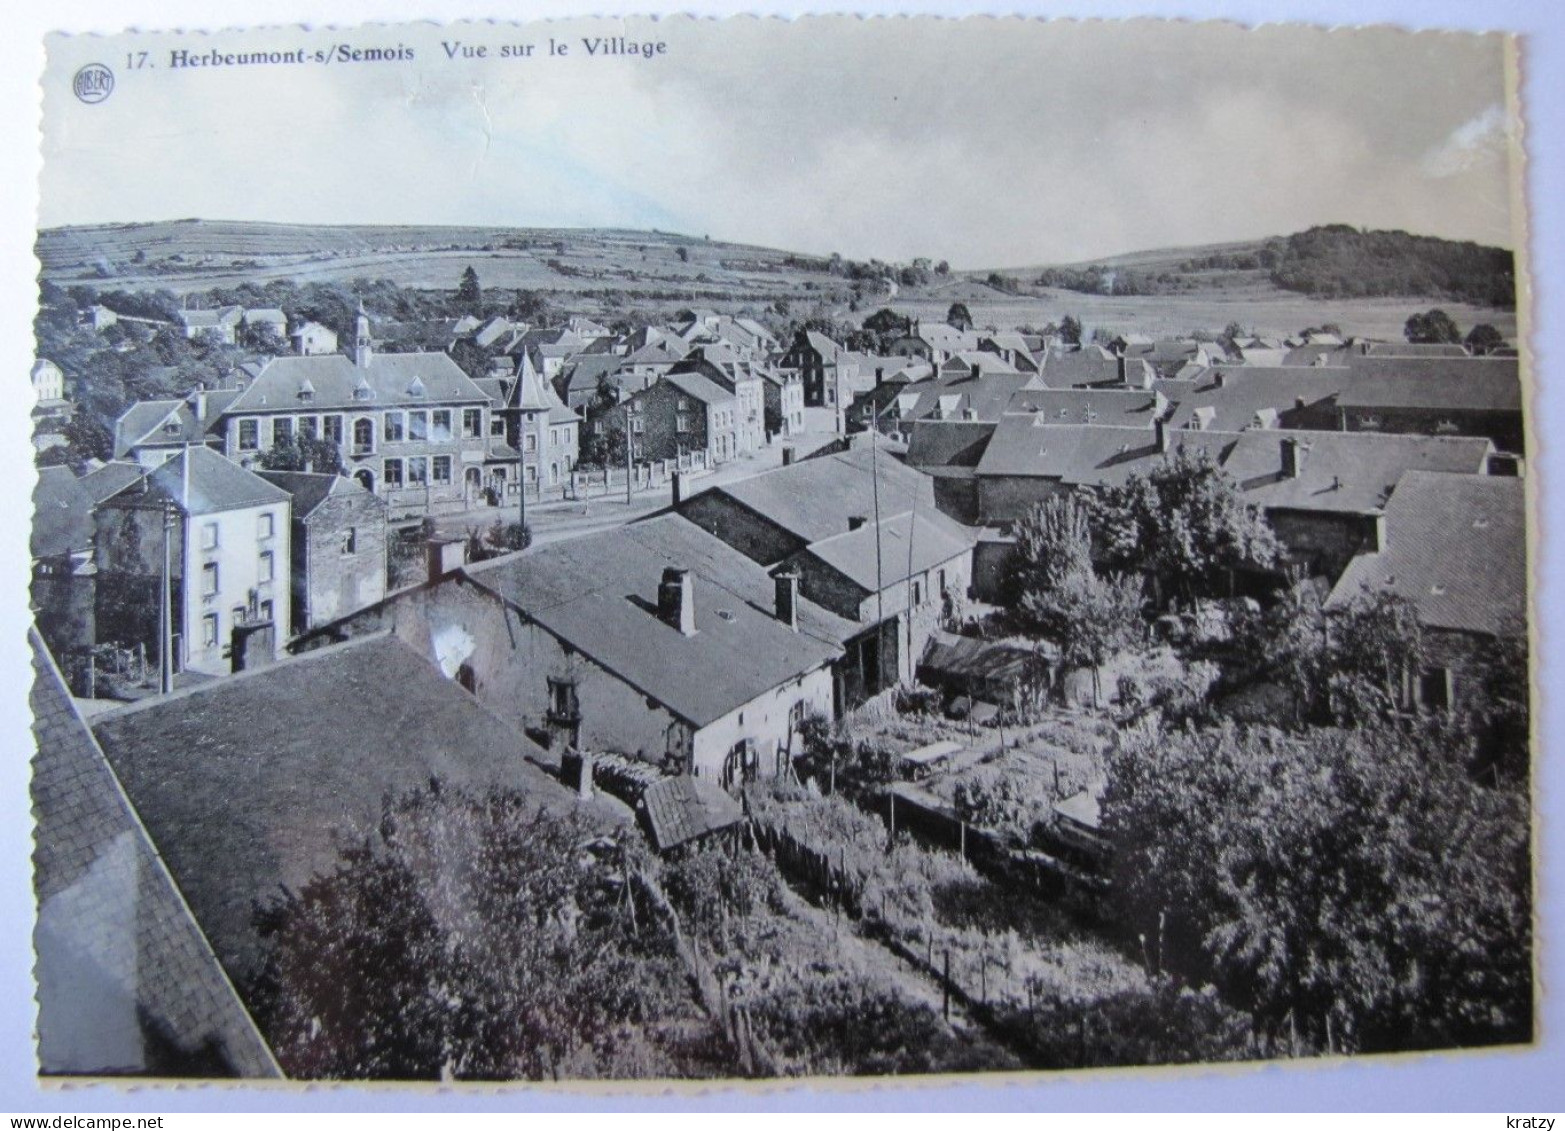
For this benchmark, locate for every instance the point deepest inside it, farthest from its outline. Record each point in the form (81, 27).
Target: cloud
(1478, 142)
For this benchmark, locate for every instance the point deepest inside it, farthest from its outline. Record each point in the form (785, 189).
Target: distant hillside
(1335, 261)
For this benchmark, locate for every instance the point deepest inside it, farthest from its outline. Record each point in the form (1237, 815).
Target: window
(418, 471)
(530, 443)
(681, 423)
(636, 425)
(418, 425)
(309, 427)
(942, 577)
(441, 471)
(391, 473)
(331, 428)
(363, 436)
(395, 427)
(209, 579)
(472, 423)
(266, 610)
(554, 437)
(350, 541)
(238, 614)
(440, 424)
(497, 426)
(282, 430)
(264, 566)
(564, 707)
(249, 435)
(1434, 689)
(918, 592)
(172, 428)
(209, 630)
(209, 535)
(265, 525)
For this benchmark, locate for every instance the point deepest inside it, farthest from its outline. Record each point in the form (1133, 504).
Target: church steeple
(361, 338)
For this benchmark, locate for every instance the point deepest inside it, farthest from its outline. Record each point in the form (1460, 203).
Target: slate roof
(599, 593)
(1456, 546)
(1411, 349)
(1353, 472)
(309, 490)
(928, 538)
(246, 782)
(62, 514)
(959, 396)
(1085, 455)
(1481, 384)
(948, 443)
(144, 418)
(1125, 407)
(822, 345)
(1247, 391)
(678, 810)
(1084, 368)
(814, 498)
(275, 384)
(213, 484)
(703, 389)
(111, 478)
(122, 966)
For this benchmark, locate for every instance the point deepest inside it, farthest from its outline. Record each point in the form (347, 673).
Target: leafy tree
(959, 316)
(531, 306)
(942, 268)
(304, 453)
(1355, 888)
(474, 937)
(1434, 326)
(1070, 330)
(1056, 595)
(469, 295)
(1184, 524)
(1484, 338)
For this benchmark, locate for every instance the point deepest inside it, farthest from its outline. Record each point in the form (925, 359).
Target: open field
(599, 270)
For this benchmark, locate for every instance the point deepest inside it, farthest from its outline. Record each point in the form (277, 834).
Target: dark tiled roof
(213, 483)
(138, 422)
(1247, 391)
(948, 443)
(1353, 472)
(703, 389)
(246, 783)
(119, 957)
(678, 810)
(1484, 384)
(922, 539)
(959, 396)
(311, 490)
(1125, 407)
(111, 478)
(62, 514)
(1456, 546)
(599, 593)
(1410, 349)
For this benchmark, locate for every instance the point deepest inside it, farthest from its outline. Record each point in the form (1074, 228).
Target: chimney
(1160, 430)
(787, 590)
(855, 521)
(789, 454)
(1377, 533)
(978, 371)
(880, 375)
(445, 555)
(676, 600)
(1121, 369)
(1292, 458)
(676, 487)
(200, 405)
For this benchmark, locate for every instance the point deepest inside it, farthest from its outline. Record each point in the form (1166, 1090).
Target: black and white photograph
(681, 550)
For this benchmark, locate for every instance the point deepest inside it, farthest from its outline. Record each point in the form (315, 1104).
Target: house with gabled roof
(824, 368)
(653, 640)
(228, 537)
(676, 415)
(542, 429)
(221, 323)
(411, 427)
(1455, 547)
(338, 546)
(1461, 396)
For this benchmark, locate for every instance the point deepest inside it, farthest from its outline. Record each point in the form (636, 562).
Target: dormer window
(416, 388)
(362, 391)
(171, 428)
(306, 390)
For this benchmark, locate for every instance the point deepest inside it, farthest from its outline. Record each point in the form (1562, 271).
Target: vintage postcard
(683, 550)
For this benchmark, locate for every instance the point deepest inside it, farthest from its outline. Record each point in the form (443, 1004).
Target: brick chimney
(444, 555)
(1292, 458)
(787, 590)
(676, 600)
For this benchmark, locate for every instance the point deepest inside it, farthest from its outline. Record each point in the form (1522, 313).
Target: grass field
(599, 270)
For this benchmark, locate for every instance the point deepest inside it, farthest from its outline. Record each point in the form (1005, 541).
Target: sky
(988, 143)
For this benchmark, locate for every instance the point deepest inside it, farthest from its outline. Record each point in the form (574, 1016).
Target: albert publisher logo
(93, 83)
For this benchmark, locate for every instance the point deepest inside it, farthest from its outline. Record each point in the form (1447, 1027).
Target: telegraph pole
(627, 456)
(165, 609)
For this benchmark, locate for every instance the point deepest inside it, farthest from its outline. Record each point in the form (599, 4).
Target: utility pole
(521, 469)
(627, 456)
(165, 608)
